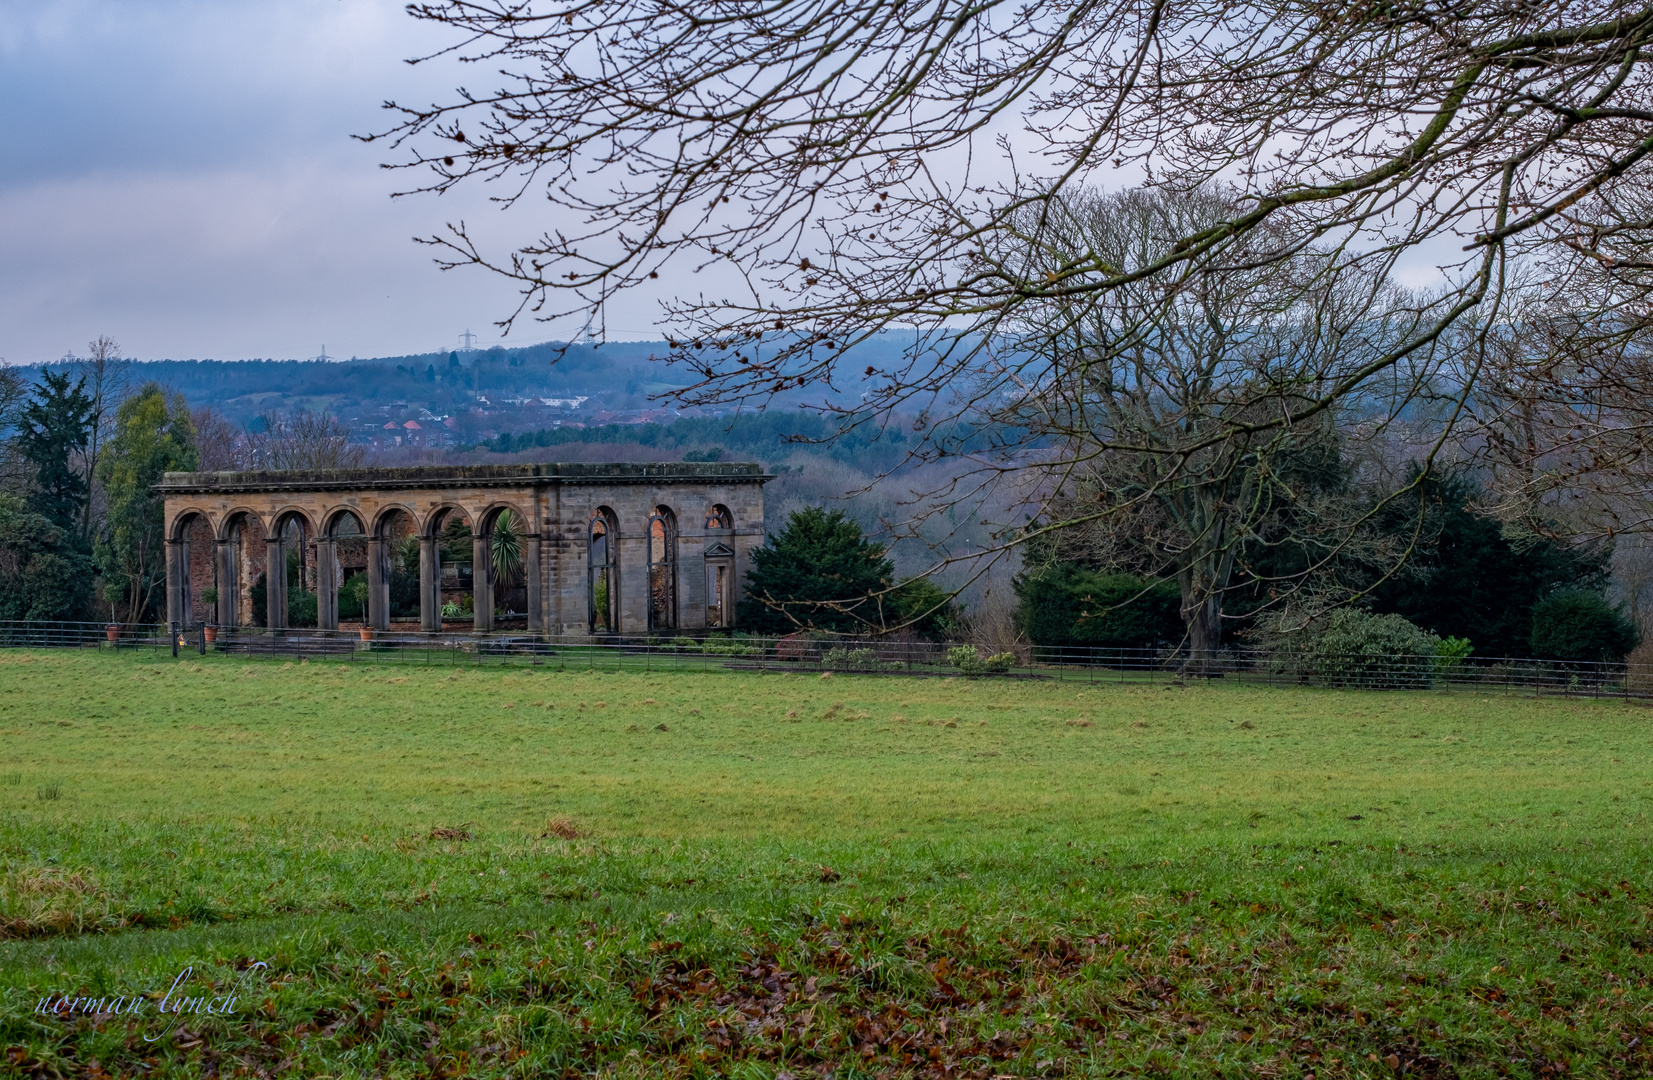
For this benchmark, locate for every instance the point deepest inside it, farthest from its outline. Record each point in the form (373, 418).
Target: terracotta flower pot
(211, 632)
(367, 633)
(112, 631)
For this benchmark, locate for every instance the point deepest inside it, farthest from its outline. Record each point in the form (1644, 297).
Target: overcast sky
(179, 175)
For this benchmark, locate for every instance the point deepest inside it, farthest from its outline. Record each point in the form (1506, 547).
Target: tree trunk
(1203, 586)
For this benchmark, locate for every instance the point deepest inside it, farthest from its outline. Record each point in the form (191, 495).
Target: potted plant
(367, 632)
(211, 632)
(112, 631)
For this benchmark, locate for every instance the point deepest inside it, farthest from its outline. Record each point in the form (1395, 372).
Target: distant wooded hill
(614, 376)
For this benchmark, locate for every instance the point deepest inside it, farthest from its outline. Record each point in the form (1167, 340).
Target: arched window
(604, 584)
(662, 569)
(718, 517)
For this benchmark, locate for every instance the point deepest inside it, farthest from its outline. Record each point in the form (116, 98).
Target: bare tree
(304, 440)
(16, 472)
(1160, 401)
(839, 160)
(1563, 410)
(220, 444)
(861, 165)
(107, 380)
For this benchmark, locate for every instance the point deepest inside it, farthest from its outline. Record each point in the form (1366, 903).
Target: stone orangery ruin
(598, 548)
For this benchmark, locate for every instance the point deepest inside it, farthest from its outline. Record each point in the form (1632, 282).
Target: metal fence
(821, 654)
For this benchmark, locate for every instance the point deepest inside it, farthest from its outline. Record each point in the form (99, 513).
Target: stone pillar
(228, 577)
(177, 574)
(275, 582)
(632, 569)
(430, 584)
(691, 583)
(531, 557)
(378, 583)
(482, 582)
(327, 584)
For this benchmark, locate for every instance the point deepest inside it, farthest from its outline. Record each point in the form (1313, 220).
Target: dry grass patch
(40, 901)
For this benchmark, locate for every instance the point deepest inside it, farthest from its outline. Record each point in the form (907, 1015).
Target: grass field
(502, 872)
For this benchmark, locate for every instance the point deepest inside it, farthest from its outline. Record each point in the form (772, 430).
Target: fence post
(172, 632)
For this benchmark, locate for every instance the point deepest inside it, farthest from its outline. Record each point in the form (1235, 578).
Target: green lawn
(776, 874)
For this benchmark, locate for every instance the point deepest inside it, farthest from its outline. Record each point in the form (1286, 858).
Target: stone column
(482, 582)
(275, 582)
(378, 583)
(531, 557)
(430, 584)
(227, 581)
(177, 570)
(327, 584)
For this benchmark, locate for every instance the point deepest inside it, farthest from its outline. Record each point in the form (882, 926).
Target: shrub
(966, 659)
(1356, 648)
(353, 599)
(1067, 606)
(1580, 626)
(1450, 655)
(301, 607)
(684, 644)
(719, 646)
(865, 659)
(999, 663)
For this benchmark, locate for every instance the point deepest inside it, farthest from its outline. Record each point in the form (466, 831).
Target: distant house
(414, 434)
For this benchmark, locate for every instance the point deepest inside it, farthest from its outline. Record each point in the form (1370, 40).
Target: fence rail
(844, 656)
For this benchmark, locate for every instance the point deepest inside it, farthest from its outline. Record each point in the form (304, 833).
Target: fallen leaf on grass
(456, 832)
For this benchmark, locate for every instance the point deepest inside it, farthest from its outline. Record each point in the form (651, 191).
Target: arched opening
(193, 574)
(287, 589)
(718, 517)
(241, 563)
(505, 533)
(662, 569)
(603, 586)
(393, 570)
(341, 572)
(451, 549)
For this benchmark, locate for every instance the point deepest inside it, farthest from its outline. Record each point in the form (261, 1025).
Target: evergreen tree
(821, 573)
(1068, 606)
(43, 572)
(1578, 625)
(1468, 577)
(53, 429)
